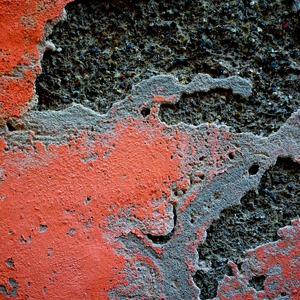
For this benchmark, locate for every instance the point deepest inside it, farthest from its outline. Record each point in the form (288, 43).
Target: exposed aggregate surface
(104, 47)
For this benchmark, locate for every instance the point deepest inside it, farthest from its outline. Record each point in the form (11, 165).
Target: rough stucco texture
(82, 194)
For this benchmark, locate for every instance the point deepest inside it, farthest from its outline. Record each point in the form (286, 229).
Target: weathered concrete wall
(114, 206)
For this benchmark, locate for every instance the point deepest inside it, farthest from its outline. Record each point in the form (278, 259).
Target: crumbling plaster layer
(81, 193)
(22, 26)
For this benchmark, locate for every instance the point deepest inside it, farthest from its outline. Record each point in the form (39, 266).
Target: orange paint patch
(62, 206)
(22, 28)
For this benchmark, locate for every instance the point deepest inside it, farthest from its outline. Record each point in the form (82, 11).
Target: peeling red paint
(22, 28)
(278, 261)
(50, 186)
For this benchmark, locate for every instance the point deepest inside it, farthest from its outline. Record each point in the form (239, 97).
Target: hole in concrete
(202, 176)
(10, 262)
(107, 46)
(231, 155)
(43, 228)
(50, 250)
(253, 169)
(87, 200)
(145, 112)
(71, 232)
(13, 125)
(10, 126)
(253, 223)
(163, 239)
(192, 219)
(257, 282)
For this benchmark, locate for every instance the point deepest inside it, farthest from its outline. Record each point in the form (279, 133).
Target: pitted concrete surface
(114, 206)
